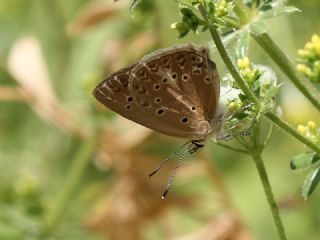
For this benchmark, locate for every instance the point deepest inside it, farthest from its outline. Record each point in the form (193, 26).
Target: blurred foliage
(52, 54)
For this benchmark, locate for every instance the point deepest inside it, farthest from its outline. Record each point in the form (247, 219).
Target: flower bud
(302, 129)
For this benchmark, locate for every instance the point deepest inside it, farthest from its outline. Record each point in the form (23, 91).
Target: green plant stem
(272, 49)
(270, 197)
(230, 147)
(76, 171)
(292, 131)
(256, 153)
(228, 62)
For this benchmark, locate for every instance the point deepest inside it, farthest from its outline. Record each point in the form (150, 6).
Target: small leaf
(240, 115)
(134, 4)
(275, 12)
(304, 160)
(311, 183)
(183, 33)
(242, 45)
(186, 12)
(258, 28)
(272, 92)
(242, 97)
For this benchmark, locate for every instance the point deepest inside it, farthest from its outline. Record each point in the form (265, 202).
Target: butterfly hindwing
(165, 84)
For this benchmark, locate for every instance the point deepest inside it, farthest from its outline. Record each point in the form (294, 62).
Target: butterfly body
(174, 91)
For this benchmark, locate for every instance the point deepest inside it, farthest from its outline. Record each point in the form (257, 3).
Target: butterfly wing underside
(180, 86)
(113, 92)
(174, 91)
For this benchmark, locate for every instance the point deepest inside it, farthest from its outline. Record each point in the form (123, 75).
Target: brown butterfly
(174, 91)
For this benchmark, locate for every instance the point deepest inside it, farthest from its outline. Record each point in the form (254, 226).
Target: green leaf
(258, 27)
(183, 33)
(311, 183)
(134, 4)
(275, 12)
(243, 97)
(272, 92)
(240, 115)
(242, 45)
(186, 12)
(304, 160)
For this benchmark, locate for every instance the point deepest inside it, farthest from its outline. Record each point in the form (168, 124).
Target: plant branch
(270, 197)
(292, 131)
(228, 62)
(230, 147)
(76, 171)
(272, 49)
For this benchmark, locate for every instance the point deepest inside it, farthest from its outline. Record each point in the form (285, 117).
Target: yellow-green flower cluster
(249, 73)
(310, 131)
(234, 105)
(222, 7)
(309, 59)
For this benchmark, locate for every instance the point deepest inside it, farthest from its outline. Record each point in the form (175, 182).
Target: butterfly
(174, 91)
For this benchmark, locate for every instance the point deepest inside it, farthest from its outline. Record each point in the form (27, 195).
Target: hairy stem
(273, 50)
(270, 197)
(228, 62)
(255, 152)
(292, 131)
(76, 171)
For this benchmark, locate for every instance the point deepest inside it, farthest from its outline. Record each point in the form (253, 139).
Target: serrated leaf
(275, 12)
(304, 160)
(310, 183)
(258, 27)
(242, 45)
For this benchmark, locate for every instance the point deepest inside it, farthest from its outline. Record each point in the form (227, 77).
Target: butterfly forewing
(113, 92)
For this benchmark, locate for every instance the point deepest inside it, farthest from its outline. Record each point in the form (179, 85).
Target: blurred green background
(71, 169)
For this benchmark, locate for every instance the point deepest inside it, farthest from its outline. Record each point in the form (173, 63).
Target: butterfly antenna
(190, 151)
(167, 159)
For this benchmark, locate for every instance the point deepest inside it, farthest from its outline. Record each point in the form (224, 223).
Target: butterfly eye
(193, 108)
